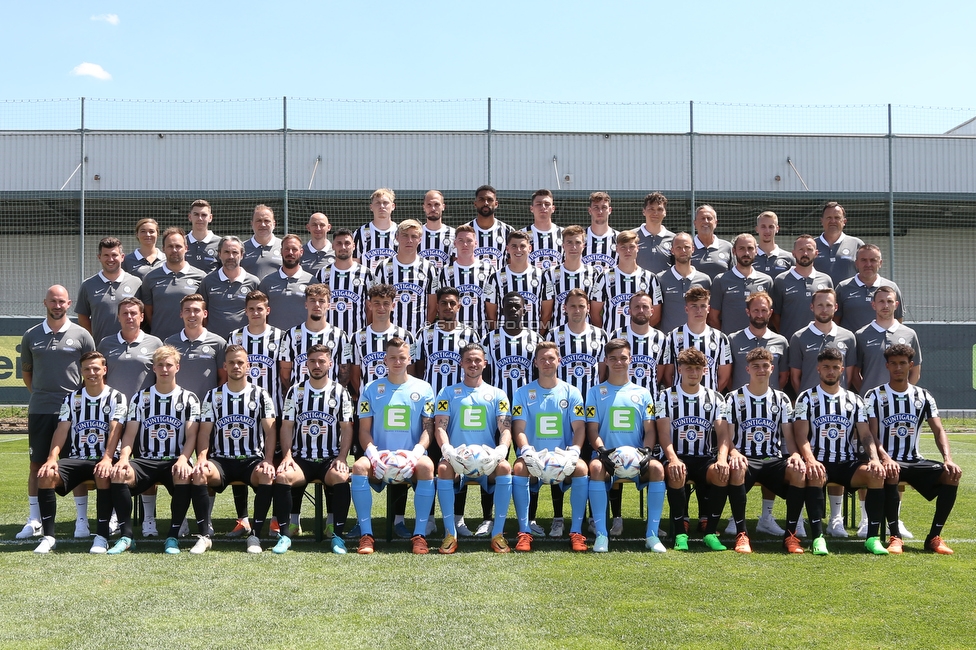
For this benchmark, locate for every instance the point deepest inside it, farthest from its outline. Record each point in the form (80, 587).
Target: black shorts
(314, 470)
(842, 473)
(768, 472)
(40, 432)
(74, 472)
(923, 475)
(234, 470)
(150, 471)
(697, 468)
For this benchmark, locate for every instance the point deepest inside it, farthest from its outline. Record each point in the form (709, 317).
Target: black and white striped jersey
(757, 421)
(348, 287)
(646, 354)
(470, 282)
(317, 414)
(367, 349)
(547, 246)
(490, 244)
(530, 284)
(162, 418)
(90, 418)
(436, 246)
(615, 288)
(374, 245)
(414, 284)
(712, 342)
(563, 281)
(297, 341)
(440, 352)
(237, 430)
(900, 417)
(510, 359)
(263, 351)
(580, 355)
(693, 419)
(601, 251)
(833, 423)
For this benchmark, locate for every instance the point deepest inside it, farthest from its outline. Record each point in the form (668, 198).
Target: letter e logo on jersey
(548, 425)
(396, 417)
(621, 419)
(474, 418)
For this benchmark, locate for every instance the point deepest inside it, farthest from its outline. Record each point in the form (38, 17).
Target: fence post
(489, 141)
(284, 155)
(891, 197)
(81, 202)
(691, 157)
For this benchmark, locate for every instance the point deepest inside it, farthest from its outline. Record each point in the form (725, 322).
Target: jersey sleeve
(64, 415)
(135, 413)
(288, 410)
(120, 407)
(345, 406)
(591, 400)
(365, 401)
(193, 408)
(82, 307)
(519, 407)
(862, 412)
(207, 409)
(796, 352)
(654, 289)
(577, 408)
(725, 349)
(501, 404)
(647, 402)
(801, 412)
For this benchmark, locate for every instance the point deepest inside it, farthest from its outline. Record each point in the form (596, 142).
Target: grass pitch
(551, 598)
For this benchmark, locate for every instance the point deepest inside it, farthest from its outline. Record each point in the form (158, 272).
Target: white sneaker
(81, 529)
(202, 546)
(252, 544)
(99, 546)
(767, 524)
(463, 530)
(483, 529)
(30, 529)
(431, 527)
(149, 528)
(113, 524)
(801, 532)
(730, 529)
(558, 527)
(46, 545)
(862, 529)
(591, 525)
(836, 527)
(617, 528)
(905, 533)
(536, 529)
(184, 529)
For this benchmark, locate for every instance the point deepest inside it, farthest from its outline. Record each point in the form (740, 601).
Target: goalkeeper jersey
(472, 413)
(398, 411)
(621, 412)
(548, 413)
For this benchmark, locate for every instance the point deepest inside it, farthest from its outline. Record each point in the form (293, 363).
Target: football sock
(399, 501)
(178, 506)
(655, 505)
(240, 500)
(282, 496)
(874, 504)
(149, 506)
(297, 496)
(486, 503)
(794, 507)
(340, 502)
(47, 503)
(533, 505)
(103, 511)
(943, 506)
(836, 505)
(737, 503)
(891, 504)
(557, 502)
(717, 496)
(502, 497)
(815, 509)
(767, 507)
(677, 504)
(423, 499)
(262, 503)
(200, 497)
(121, 498)
(579, 492)
(598, 505)
(616, 497)
(81, 507)
(520, 497)
(34, 513)
(362, 498)
(445, 496)
(701, 493)
(460, 501)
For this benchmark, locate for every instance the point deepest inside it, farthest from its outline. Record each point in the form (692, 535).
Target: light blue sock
(445, 497)
(655, 504)
(520, 496)
(598, 505)
(422, 503)
(503, 496)
(362, 498)
(578, 492)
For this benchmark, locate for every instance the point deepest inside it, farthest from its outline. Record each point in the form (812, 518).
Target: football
(476, 460)
(626, 462)
(399, 467)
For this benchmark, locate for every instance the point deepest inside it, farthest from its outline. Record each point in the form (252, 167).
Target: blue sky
(826, 53)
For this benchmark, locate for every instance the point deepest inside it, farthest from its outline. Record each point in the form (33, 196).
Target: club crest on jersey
(563, 403)
(381, 389)
(106, 409)
(635, 399)
(532, 394)
(415, 396)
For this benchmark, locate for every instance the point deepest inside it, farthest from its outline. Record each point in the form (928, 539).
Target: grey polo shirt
(674, 286)
(837, 261)
(53, 358)
(792, 296)
(202, 253)
(314, 261)
(854, 298)
(138, 265)
(872, 341)
(225, 300)
(743, 342)
(129, 364)
(654, 252)
(259, 260)
(774, 263)
(163, 289)
(729, 291)
(200, 360)
(806, 344)
(98, 298)
(286, 298)
(713, 259)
